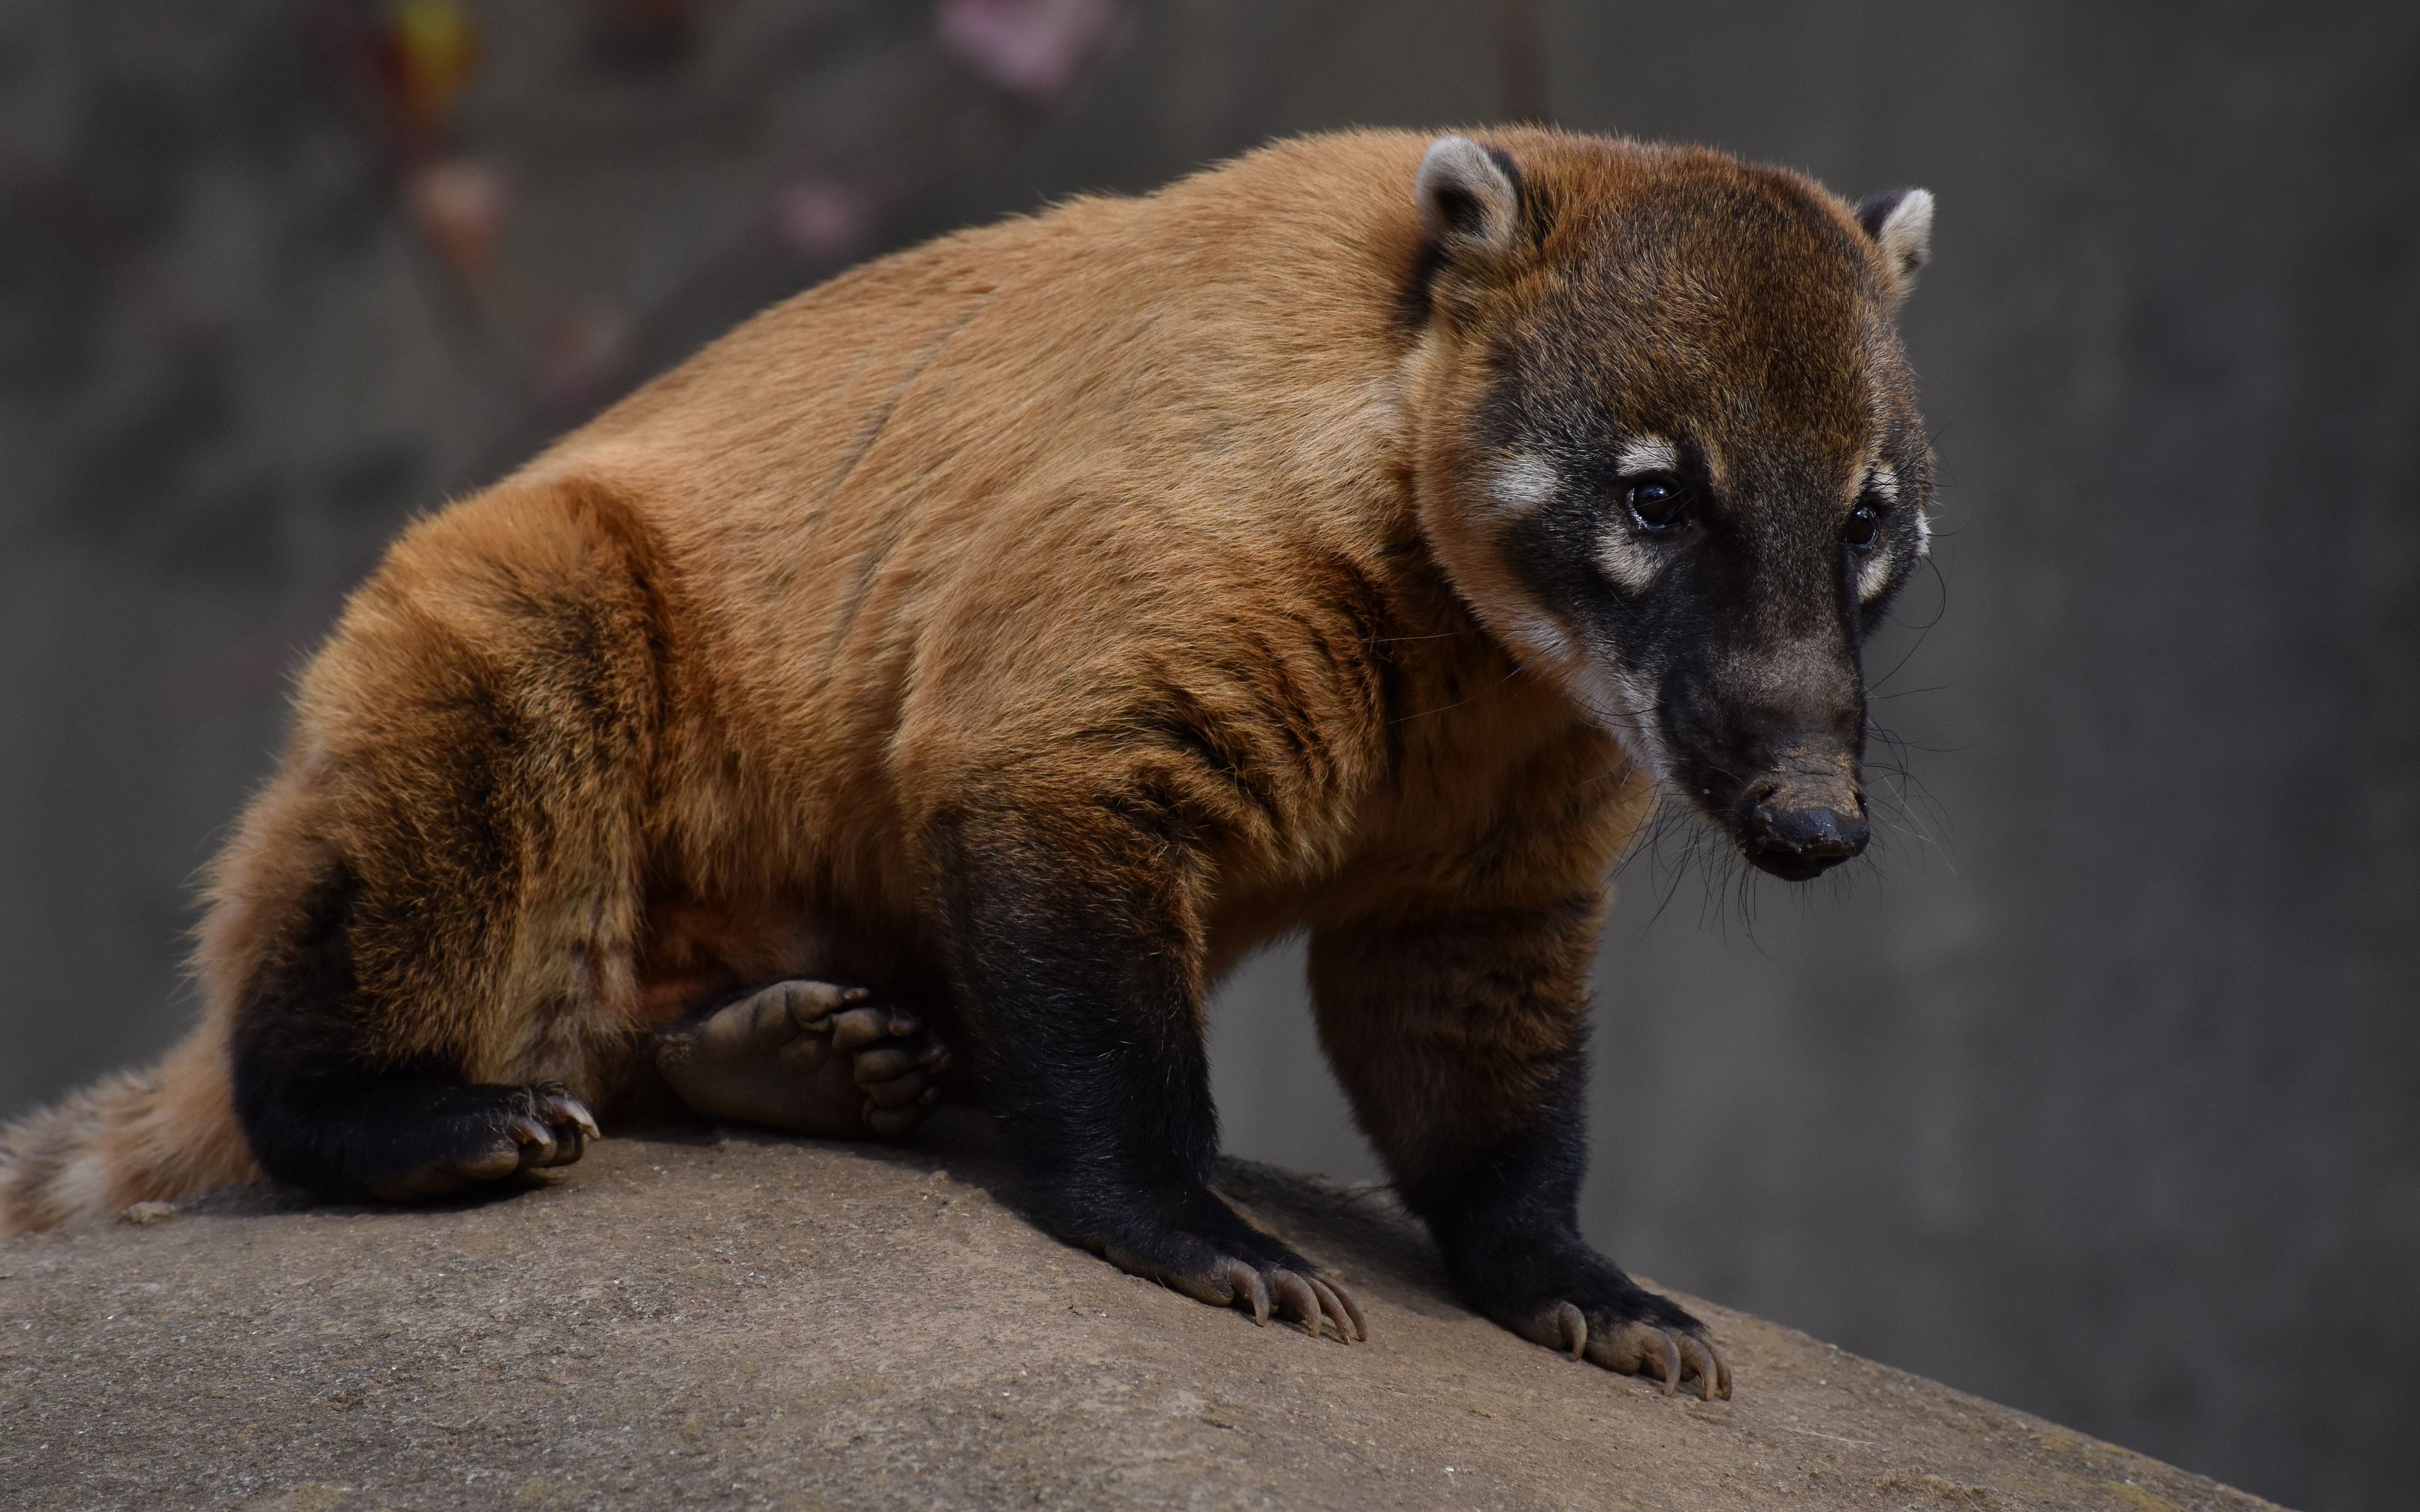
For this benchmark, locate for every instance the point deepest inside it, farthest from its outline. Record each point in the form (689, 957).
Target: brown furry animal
(1026, 626)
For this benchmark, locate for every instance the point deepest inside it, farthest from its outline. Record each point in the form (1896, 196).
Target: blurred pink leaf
(1034, 48)
(576, 347)
(460, 205)
(822, 216)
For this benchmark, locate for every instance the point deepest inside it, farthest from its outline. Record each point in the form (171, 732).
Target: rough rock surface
(741, 1320)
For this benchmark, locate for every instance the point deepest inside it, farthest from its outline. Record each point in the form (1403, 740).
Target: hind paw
(474, 1135)
(809, 1056)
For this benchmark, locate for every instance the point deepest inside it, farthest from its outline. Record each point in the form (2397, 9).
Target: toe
(891, 1124)
(808, 1004)
(858, 1027)
(888, 1063)
(803, 1055)
(899, 1091)
(755, 1027)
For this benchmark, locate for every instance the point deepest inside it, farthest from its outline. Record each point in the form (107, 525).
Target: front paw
(1610, 1320)
(1200, 1247)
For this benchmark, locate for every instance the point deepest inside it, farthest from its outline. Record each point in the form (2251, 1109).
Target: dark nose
(1795, 838)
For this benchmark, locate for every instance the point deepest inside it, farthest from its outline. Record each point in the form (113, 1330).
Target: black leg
(1463, 1042)
(322, 1109)
(1085, 981)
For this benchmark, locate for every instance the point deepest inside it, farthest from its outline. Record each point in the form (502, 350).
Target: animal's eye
(1658, 504)
(1864, 523)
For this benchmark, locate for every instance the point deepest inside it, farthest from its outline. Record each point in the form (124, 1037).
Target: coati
(991, 646)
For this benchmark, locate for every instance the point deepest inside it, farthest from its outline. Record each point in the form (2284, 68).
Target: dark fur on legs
(1093, 1051)
(322, 1111)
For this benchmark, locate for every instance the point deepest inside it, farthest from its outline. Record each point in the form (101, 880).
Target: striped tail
(160, 1135)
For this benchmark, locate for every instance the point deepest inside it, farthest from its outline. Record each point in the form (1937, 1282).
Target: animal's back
(926, 518)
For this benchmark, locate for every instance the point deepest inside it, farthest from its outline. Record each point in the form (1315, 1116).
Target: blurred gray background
(2094, 1093)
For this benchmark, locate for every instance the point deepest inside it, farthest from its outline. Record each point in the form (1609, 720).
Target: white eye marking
(1872, 574)
(1646, 454)
(1624, 558)
(1875, 570)
(1522, 484)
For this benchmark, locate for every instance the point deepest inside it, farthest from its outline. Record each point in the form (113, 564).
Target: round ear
(1469, 198)
(1901, 222)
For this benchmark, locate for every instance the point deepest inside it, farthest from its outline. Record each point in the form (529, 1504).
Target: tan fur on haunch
(976, 524)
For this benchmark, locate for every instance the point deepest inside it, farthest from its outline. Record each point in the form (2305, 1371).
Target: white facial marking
(1872, 573)
(1646, 454)
(1884, 484)
(1522, 483)
(1623, 557)
(1613, 698)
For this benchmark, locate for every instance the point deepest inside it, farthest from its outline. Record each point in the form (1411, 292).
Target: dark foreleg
(1462, 1042)
(1076, 945)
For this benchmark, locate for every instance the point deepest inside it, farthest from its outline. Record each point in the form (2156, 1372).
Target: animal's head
(1670, 451)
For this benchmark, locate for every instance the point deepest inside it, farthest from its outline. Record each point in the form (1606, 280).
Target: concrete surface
(747, 1321)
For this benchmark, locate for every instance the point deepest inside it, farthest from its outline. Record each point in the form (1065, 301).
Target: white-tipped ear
(1901, 222)
(1468, 199)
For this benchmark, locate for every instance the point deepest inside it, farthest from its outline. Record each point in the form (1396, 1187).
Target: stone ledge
(747, 1321)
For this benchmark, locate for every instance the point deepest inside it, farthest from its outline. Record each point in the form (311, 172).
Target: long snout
(1804, 817)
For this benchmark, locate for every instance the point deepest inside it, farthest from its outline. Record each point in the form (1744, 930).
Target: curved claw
(1341, 1307)
(1303, 1303)
(558, 1106)
(1636, 1348)
(1249, 1287)
(1575, 1326)
(1702, 1359)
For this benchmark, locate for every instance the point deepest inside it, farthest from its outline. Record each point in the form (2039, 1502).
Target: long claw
(1297, 1294)
(560, 1106)
(1332, 1309)
(1352, 1308)
(537, 1141)
(1575, 1326)
(1699, 1359)
(1671, 1360)
(1247, 1284)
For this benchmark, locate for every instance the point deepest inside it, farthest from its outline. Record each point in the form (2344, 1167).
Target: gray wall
(2095, 1093)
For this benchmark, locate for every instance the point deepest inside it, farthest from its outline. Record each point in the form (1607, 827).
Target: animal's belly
(697, 950)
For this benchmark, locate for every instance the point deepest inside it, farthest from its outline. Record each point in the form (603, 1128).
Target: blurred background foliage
(2093, 1092)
